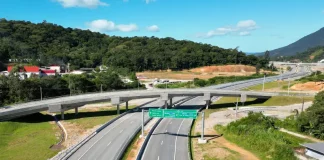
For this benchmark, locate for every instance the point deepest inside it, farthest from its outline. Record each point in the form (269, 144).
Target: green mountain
(313, 40)
(311, 55)
(45, 43)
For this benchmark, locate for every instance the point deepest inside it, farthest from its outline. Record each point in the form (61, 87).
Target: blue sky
(253, 25)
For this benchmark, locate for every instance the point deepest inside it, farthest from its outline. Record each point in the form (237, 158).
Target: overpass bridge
(116, 98)
(74, 102)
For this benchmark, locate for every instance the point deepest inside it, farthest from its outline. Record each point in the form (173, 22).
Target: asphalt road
(107, 144)
(169, 140)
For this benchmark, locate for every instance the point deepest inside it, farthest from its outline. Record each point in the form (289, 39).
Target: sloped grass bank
(258, 134)
(28, 138)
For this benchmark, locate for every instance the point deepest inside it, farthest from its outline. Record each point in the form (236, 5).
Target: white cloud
(248, 24)
(102, 25)
(81, 3)
(153, 28)
(148, 1)
(127, 27)
(242, 28)
(244, 33)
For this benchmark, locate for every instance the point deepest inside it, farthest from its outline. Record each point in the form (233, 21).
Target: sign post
(173, 113)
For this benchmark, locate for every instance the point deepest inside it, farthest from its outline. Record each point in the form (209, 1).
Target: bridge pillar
(118, 110)
(76, 110)
(126, 105)
(62, 114)
(207, 104)
(170, 102)
(166, 104)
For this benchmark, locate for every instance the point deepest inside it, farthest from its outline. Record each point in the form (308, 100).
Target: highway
(108, 143)
(170, 138)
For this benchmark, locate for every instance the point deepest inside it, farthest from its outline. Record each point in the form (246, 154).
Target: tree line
(46, 43)
(13, 89)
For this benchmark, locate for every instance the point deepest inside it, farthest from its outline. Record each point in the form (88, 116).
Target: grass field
(261, 138)
(89, 118)
(28, 138)
(272, 86)
(273, 101)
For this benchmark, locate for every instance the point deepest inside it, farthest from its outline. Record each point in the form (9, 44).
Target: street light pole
(288, 87)
(263, 83)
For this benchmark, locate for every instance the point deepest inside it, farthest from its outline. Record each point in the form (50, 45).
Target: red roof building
(33, 69)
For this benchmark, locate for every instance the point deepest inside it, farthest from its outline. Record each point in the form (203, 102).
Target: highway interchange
(168, 141)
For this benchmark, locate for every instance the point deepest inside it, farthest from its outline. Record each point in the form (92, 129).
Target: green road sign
(173, 113)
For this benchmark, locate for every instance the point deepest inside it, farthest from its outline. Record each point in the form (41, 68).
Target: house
(27, 72)
(314, 150)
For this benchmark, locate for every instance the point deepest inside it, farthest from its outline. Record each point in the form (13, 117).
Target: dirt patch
(308, 86)
(202, 72)
(75, 133)
(218, 147)
(225, 68)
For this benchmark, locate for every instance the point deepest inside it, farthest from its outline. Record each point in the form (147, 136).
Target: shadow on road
(186, 135)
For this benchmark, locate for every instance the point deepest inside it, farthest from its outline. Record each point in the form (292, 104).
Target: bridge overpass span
(116, 98)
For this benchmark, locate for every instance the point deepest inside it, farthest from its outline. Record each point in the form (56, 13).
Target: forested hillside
(311, 55)
(312, 40)
(51, 43)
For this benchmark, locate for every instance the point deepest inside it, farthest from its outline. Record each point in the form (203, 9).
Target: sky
(251, 25)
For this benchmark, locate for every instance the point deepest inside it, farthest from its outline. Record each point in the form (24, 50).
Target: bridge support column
(62, 114)
(126, 105)
(118, 110)
(207, 104)
(171, 103)
(166, 104)
(76, 110)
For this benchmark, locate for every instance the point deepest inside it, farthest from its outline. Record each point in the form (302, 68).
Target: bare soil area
(308, 86)
(201, 72)
(75, 133)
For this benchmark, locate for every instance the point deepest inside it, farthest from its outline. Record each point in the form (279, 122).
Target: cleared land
(201, 73)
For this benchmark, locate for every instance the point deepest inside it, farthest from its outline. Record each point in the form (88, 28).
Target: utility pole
(303, 105)
(142, 123)
(100, 88)
(203, 125)
(236, 108)
(138, 84)
(288, 87)
(263, 83)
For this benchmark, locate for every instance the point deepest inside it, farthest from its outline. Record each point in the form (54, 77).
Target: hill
(312, 40)
(310, 55)
(46, 43)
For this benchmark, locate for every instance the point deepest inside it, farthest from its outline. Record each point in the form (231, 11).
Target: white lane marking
(175, 143)
(108, 144)
(161, 142)
(103, 136)
(121, 131)
(158, 157)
